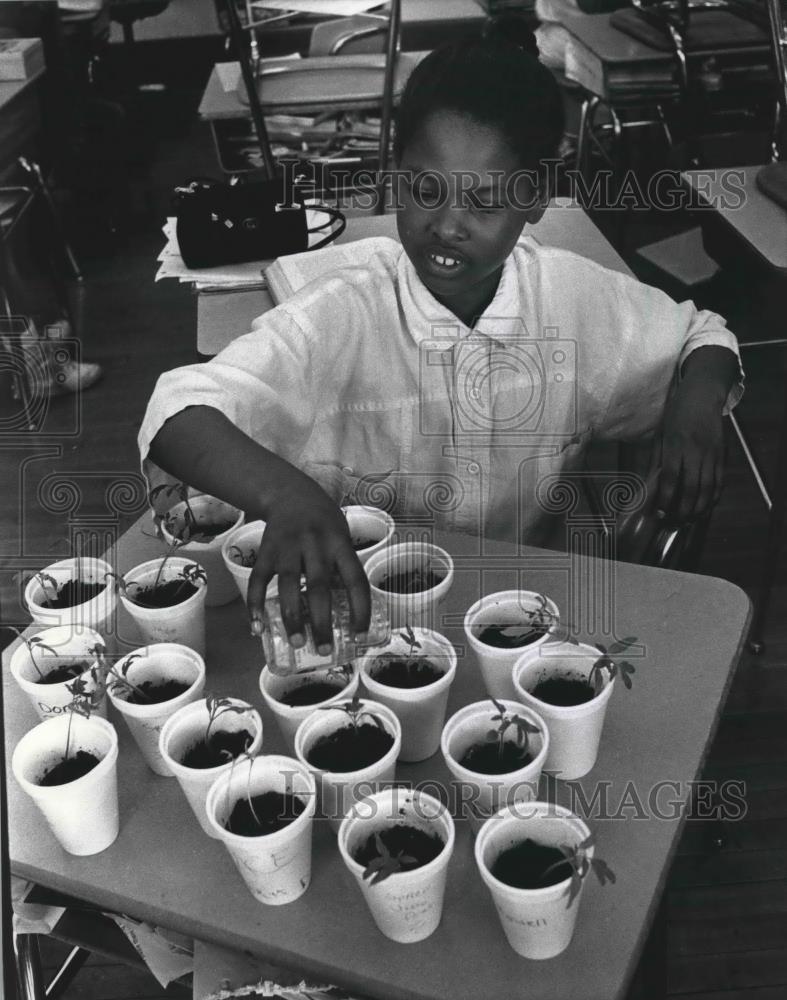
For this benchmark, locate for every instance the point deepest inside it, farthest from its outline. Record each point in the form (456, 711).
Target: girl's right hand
(307, 534)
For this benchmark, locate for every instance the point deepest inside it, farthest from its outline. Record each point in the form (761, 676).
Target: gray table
(163, 869)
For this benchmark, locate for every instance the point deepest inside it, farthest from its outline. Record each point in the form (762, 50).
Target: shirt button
(475, 394)
(473, 468)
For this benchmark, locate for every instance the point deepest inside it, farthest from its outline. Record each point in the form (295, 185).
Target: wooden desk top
(163, 869)
(751, 215)
(222, 316)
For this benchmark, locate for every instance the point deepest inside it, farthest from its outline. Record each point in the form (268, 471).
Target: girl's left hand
(690, 452)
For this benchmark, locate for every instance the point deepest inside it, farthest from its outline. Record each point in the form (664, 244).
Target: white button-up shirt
(364, 381)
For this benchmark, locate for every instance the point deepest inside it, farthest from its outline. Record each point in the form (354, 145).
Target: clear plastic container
(283, 659)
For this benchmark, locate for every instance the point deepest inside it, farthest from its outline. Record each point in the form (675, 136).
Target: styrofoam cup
(82, 814)
(182, 623)
(246, 537)
(506, 607)
(372, 523)
(70, 643)
(221, 588)
(421, 711)
(289, 717)
(538, 923)
(487, 792)
(420, 609)
(339, 791)
(160, 661)
(182, 730)
(276, 867)
(406, 906)
(96, 614)
(575, 730)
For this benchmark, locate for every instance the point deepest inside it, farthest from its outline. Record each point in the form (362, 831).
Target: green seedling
(356, 712)
(576, 855)
(34, 643)
(386, 863)
(121, 685)
(615, 668)
(523, 729)
(409, 637)
(45, 580)
(245, 559)
(221, 706)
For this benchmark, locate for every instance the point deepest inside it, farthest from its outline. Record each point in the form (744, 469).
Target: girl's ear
(538, 205)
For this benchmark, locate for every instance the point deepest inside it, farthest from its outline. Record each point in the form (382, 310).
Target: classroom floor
(727, 903)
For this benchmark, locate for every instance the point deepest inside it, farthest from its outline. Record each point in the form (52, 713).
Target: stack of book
(614, 66)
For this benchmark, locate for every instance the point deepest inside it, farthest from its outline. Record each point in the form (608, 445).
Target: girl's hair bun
(511, 29)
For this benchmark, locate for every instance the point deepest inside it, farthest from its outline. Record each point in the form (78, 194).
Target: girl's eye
(486, 209)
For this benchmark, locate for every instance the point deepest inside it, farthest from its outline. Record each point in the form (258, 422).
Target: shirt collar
(426, 318)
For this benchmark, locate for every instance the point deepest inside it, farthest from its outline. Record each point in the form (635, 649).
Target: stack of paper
(247, 275)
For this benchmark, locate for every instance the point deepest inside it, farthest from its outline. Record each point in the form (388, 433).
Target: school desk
(163, 869)
(20, 123)
(224, 315)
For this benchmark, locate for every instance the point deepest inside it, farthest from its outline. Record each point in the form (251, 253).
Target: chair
(639, 536)
(330, 83)
(127, 12)
(716, 45)
(82, 927)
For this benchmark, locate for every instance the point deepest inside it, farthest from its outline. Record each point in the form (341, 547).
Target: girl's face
(463, 201)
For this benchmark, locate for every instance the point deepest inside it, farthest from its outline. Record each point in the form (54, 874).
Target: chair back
(777, 15)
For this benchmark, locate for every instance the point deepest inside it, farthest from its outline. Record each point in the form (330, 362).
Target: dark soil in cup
(203, 755)
(486, 758)
(402, 839)
(525, 866)
(80, 764)
(241, 557)
(509, 636)
(411, 581)
(400, 671)
(310, 693)
(165, 595)
(350, 748)
(63, 672)
(564, 691)
(154, 692)
(206, 532)
(269, 812)
(72, 593)
(359, 543)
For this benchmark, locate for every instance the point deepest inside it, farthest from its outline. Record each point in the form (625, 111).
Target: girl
(452, 372)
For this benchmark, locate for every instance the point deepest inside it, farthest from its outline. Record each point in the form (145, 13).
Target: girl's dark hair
(498, 81)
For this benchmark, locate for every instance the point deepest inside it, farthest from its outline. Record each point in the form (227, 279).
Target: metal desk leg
(28, 967)
(773, 542)
(586, 116)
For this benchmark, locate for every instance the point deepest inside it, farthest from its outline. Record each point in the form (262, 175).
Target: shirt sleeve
(261, 382)
(656, 337)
